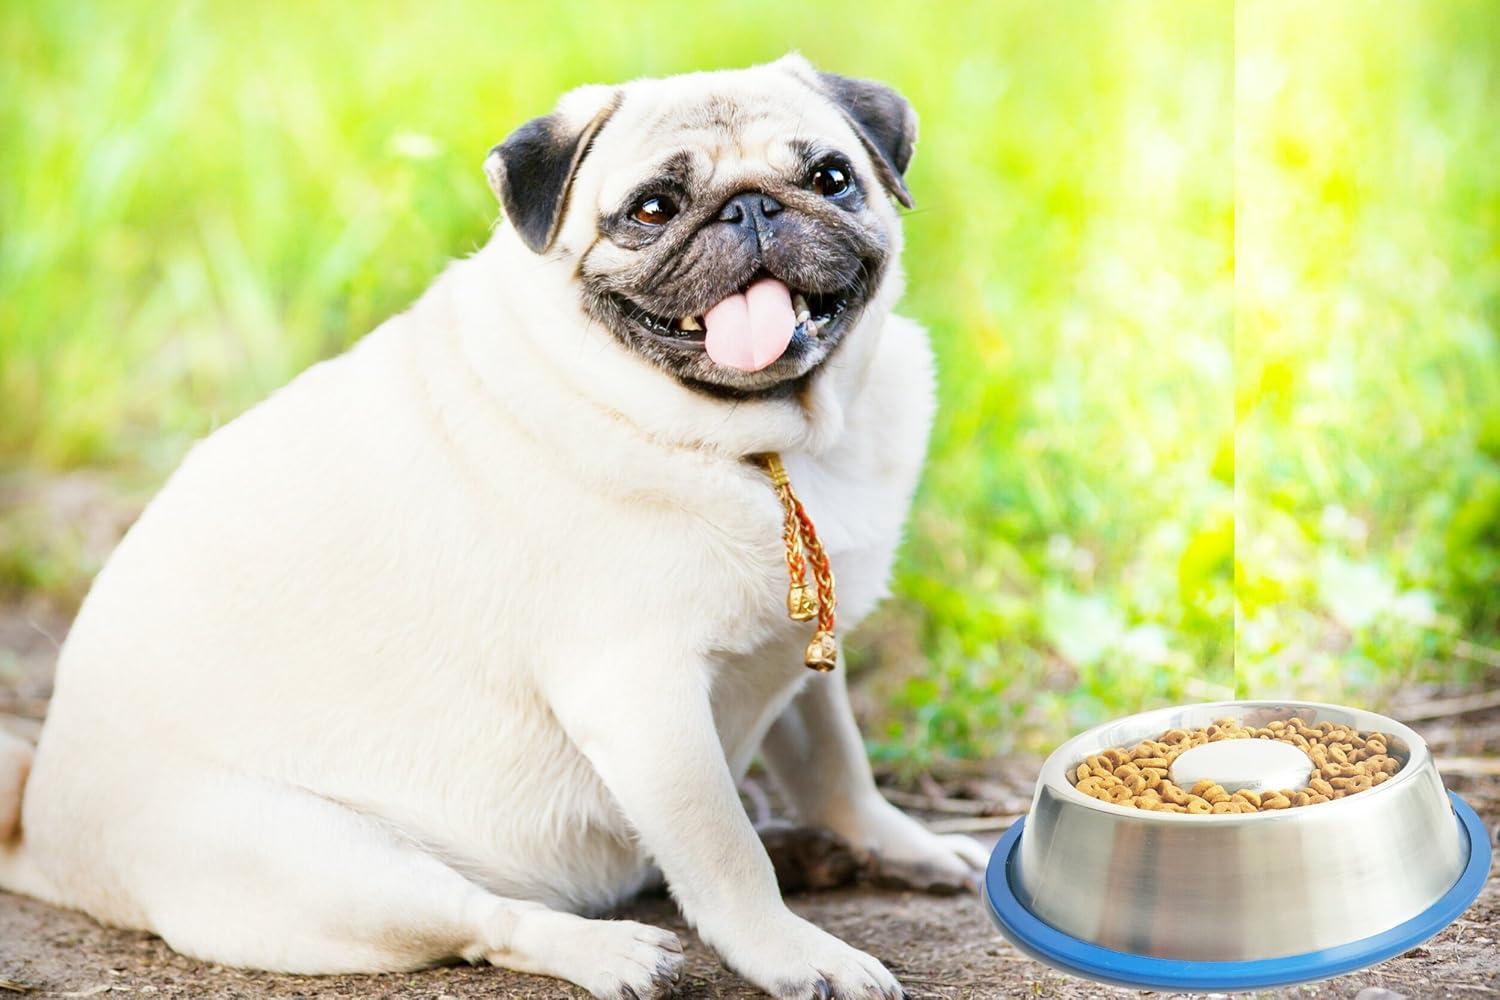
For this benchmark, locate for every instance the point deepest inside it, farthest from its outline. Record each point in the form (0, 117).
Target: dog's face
(730, 227)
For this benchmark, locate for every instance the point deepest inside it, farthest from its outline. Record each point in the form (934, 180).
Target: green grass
(1214, 290)
(1368, 358)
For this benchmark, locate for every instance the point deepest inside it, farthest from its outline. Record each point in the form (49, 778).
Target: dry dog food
(1345, 761)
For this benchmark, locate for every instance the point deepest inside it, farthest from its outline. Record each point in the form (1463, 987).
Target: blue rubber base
(1046, 944)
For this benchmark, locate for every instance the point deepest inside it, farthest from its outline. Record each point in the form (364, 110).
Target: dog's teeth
(799, 306)
(803, 317)
(690, 323)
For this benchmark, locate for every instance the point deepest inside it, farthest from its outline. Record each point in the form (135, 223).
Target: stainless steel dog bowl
(1237, 901)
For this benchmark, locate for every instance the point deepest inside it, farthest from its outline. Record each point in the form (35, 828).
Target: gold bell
(800, 606)
(823, 652)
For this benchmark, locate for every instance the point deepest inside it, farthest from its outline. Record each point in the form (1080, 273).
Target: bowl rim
(1054, 772)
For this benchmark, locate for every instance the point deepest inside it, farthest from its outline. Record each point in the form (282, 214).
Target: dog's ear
(886, 124)
(532, 171)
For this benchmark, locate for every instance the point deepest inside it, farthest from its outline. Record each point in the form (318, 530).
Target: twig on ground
(938, 804)
(929, 786)
(972, 824)
(11, 986)
(42, 630)
(1451, 706)
(985, 767)
(1478, 734)
(1479, 654)
(1469, 765)
(758, 798)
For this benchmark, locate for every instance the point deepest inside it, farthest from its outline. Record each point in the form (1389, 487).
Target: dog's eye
(832, 178)
(658, 210)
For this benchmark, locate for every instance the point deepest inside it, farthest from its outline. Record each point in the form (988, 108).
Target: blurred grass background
(1215, 292)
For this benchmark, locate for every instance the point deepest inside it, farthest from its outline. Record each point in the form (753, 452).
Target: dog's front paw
(612, 959)
(636, 962)
(791, 959)
(901, 853)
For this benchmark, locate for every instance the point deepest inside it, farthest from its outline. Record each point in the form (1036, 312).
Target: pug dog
(465, 636)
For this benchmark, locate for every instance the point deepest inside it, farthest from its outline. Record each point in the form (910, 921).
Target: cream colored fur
(467, 634)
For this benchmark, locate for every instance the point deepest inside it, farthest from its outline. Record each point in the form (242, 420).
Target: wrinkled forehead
(712, 133)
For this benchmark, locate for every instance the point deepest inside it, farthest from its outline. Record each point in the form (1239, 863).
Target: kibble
(1345, 762)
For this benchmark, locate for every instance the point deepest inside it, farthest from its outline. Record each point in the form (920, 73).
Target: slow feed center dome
(1160, 851)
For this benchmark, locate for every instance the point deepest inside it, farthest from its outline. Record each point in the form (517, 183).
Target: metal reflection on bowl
(1237, 887)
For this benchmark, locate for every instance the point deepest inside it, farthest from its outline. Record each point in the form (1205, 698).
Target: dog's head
(731, 227)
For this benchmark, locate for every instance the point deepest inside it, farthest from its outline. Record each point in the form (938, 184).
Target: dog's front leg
(645, 722)
(815, 755)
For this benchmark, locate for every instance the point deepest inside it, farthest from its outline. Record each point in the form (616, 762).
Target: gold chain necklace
(803, 550)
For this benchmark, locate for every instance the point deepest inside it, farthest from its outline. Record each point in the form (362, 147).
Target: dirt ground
(940, 948)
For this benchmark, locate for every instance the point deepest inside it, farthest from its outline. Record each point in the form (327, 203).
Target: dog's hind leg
(18, 869)
(245, 872)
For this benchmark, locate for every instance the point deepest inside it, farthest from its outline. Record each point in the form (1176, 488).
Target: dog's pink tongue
(751, 330)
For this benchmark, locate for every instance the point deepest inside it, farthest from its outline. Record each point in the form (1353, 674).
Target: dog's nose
(750, 210)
